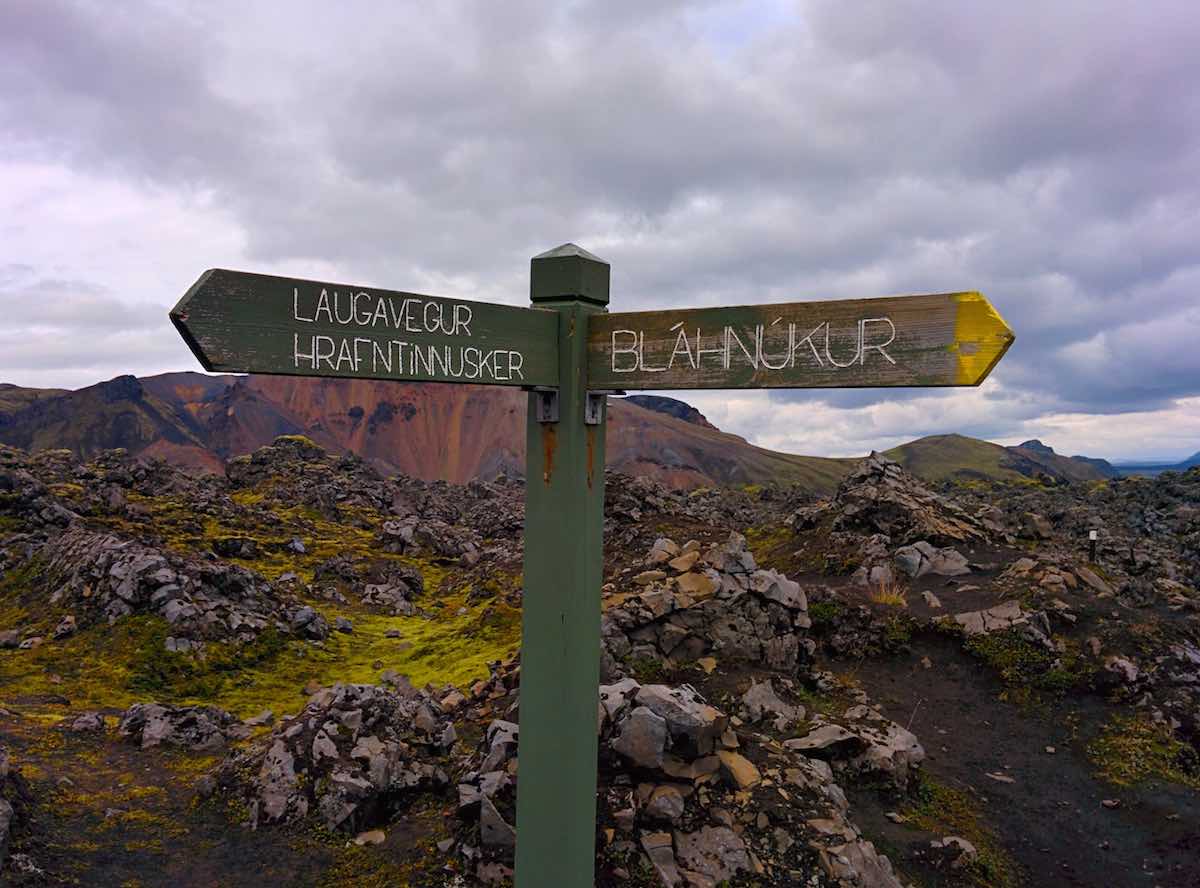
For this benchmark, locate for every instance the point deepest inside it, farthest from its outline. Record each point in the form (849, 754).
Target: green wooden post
(560, 645)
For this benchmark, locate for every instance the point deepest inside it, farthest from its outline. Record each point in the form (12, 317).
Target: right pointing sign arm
(946, 339)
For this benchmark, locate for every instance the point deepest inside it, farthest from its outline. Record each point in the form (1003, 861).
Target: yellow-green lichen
(1132, 749)
(944, 811)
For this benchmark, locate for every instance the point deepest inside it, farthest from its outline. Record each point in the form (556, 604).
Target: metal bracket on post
(593, 407)
(546, 398)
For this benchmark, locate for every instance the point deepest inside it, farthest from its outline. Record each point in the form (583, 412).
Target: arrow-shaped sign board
(254, 323)
(936, 340)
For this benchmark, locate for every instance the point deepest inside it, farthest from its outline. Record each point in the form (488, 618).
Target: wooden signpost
(569, 353)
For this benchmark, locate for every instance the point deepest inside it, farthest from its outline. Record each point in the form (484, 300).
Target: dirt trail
(1050, 818)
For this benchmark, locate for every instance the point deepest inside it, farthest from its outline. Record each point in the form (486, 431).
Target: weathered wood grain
(946, 339)
(253, 323)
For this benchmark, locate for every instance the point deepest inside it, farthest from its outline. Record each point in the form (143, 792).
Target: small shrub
(825, 614)
(647, 670)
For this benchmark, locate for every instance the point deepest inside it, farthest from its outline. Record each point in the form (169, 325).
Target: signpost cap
(568, 272)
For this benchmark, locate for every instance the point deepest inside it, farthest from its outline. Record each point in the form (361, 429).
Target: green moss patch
(945, 811)
(113, 667)
(1133, 749)
(1027, 668)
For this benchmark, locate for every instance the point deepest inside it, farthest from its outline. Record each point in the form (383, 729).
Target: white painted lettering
(631, 350)
(337, 308)
(422, 357)
(858, 347)
(881, 346)
(432, 326)
(410, 307)
(344, 354)
(812, 345)
(296, 306)
(462, 319)
(719, 351)
(379, 356)
(642, 357)
(363, 320)
(731, 337)
(380, 312)
(761, 348)
(319, 354)
(297, 354)
(357, 356)
(681, 339)
(323, 305)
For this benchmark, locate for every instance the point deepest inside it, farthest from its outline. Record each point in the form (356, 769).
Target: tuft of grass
(828, 705)
(889, 594)
(272, 524)
(1133, 749)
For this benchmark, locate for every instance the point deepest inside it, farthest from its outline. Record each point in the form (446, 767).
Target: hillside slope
(117, 413)
(425, 430)
(452, 432)
(957, 458)
(1075, 468)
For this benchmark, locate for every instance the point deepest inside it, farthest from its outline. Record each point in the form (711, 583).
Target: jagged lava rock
(880, 497)
(349, 757)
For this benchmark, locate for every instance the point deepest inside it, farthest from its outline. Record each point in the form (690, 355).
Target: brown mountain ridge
(453, 432)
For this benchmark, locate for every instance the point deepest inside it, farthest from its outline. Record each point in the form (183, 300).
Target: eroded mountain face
(303, 671)
(453, 432)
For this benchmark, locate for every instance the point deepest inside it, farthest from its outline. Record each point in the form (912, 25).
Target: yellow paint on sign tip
(980, 338)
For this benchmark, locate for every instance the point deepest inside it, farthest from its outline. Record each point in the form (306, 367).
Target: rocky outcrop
(879, 497)
(689, 604)
(194, 728)
(15, 803)
(103, 578)
(25, 496)
(861, 742)
(1032, 625)
(349, 758)
(691, 799)
(921, 558)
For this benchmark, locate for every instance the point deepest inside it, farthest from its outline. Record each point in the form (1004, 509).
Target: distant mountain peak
(671, 407)
(122, 388)
(1037, 446)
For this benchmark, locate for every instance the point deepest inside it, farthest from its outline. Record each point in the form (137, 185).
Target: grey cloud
(75, 306)
(715, 153)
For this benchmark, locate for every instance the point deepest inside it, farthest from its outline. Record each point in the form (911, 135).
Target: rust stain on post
(549, 445)
(591, 454)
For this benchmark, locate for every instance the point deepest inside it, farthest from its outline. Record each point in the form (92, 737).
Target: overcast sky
(1047, 154)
